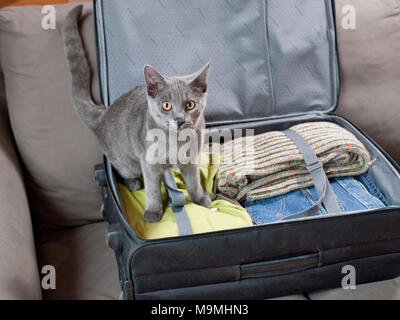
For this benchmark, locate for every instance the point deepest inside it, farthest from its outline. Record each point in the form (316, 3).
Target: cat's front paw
(152, 216)
(205, 200)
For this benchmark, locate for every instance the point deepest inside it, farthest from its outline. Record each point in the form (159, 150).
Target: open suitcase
(289, 50)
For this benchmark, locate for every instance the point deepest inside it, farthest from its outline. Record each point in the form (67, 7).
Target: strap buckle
(176, 198)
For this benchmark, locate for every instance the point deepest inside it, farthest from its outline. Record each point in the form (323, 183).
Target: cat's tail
(88, 111)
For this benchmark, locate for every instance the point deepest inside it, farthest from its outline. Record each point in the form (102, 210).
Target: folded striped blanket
(270, 164)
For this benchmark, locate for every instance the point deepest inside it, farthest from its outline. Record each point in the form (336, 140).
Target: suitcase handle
(279, 266)
(114, 236)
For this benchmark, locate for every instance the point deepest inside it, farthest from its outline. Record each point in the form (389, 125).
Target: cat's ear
(199, 83)
(154, 80)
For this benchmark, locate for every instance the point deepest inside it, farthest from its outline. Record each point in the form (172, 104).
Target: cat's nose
(180, 121)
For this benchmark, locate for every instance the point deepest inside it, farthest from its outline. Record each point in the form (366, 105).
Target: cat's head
(178, 101)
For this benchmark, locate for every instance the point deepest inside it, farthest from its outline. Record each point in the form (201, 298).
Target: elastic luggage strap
(321, 183)
(177, 201)
(327, 196)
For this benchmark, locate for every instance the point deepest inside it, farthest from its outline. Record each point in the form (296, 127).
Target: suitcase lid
(270, 59)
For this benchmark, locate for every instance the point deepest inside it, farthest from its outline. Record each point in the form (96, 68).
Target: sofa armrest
(19, 276)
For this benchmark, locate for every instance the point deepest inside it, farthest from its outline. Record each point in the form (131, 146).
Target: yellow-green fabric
(225, 215)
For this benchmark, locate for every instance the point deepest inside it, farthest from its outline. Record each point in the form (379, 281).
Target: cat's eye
(167, 106)
(190, 105)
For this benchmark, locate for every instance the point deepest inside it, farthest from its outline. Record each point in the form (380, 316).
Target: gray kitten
(121, 128)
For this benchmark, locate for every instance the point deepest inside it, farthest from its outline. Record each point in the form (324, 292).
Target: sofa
(49, 205)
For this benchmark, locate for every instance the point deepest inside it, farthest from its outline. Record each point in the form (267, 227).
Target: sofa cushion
(19, 276)
(85, 267)
(382, 290)
(370, 73)
(57, 150)
(6, 3)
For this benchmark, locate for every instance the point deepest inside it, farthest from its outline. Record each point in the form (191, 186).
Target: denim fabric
(369, 184)
(354, 194)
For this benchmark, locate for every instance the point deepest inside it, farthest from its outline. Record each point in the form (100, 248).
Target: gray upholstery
(46, 129)
(370, 92)
(86, 268)
(19, 275)
(383, 290)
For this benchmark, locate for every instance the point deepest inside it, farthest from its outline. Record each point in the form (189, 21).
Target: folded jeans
(353, 193)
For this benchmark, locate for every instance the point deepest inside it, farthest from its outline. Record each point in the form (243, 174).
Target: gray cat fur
(122, 127)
